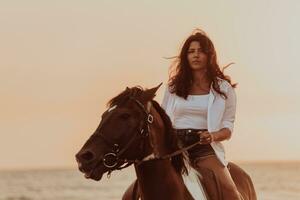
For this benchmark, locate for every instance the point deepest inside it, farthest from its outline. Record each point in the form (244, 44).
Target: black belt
(190, 136)
(189, 131)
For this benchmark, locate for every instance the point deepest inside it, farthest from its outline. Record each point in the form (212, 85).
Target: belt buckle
(189, 132)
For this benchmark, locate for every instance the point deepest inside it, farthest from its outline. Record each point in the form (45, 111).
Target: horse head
(123, 135)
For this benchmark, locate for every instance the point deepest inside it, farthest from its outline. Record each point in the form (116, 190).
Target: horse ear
(149, 94)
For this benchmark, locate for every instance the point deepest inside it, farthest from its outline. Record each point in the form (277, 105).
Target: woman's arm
(168, 103)
(230, 109)
(166, 99)
(227, 122)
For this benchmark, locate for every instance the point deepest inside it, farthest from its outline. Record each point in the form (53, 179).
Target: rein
(113, 161)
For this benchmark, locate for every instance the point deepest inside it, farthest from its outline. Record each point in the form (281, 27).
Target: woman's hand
(206, 137)
(217, 136)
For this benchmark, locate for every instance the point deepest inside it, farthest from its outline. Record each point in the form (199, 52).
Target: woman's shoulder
(170, 93)
(168, 90)
(224, 84)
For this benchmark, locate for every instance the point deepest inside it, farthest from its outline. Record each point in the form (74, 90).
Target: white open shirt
(220, 112)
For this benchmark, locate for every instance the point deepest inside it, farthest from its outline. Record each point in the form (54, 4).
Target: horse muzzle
(92, 170)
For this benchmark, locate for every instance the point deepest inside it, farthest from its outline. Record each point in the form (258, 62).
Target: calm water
(272, 182)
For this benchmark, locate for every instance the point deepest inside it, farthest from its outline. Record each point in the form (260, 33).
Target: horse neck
(158, 179)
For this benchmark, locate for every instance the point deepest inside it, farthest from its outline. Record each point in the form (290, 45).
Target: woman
(200, 100)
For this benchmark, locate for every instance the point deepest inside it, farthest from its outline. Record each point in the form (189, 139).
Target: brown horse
(136, 130)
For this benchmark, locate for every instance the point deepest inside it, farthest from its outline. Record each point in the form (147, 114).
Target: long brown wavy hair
(180, 79)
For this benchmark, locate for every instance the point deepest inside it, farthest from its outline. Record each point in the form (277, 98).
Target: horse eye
(125, 116)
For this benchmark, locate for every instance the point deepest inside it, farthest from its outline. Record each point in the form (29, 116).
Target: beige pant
(228, 187)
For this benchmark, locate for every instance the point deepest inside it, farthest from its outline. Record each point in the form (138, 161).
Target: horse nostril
(87, 156)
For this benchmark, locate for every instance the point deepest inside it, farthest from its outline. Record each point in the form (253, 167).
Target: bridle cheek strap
(112, 159)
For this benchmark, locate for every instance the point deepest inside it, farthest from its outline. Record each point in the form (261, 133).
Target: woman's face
(196, 57)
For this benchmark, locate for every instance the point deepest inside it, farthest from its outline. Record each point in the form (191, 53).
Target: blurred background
(61, 61)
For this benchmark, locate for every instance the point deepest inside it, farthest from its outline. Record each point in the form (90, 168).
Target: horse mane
(125, 95)
(171, 138)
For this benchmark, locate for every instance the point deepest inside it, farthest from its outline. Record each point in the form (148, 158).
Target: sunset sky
(61, 61)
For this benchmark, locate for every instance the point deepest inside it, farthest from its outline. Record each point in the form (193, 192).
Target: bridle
(113, 161)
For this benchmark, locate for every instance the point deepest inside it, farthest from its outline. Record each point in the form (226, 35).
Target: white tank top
(192, 112)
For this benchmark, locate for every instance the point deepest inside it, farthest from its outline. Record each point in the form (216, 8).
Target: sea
(272, 181)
